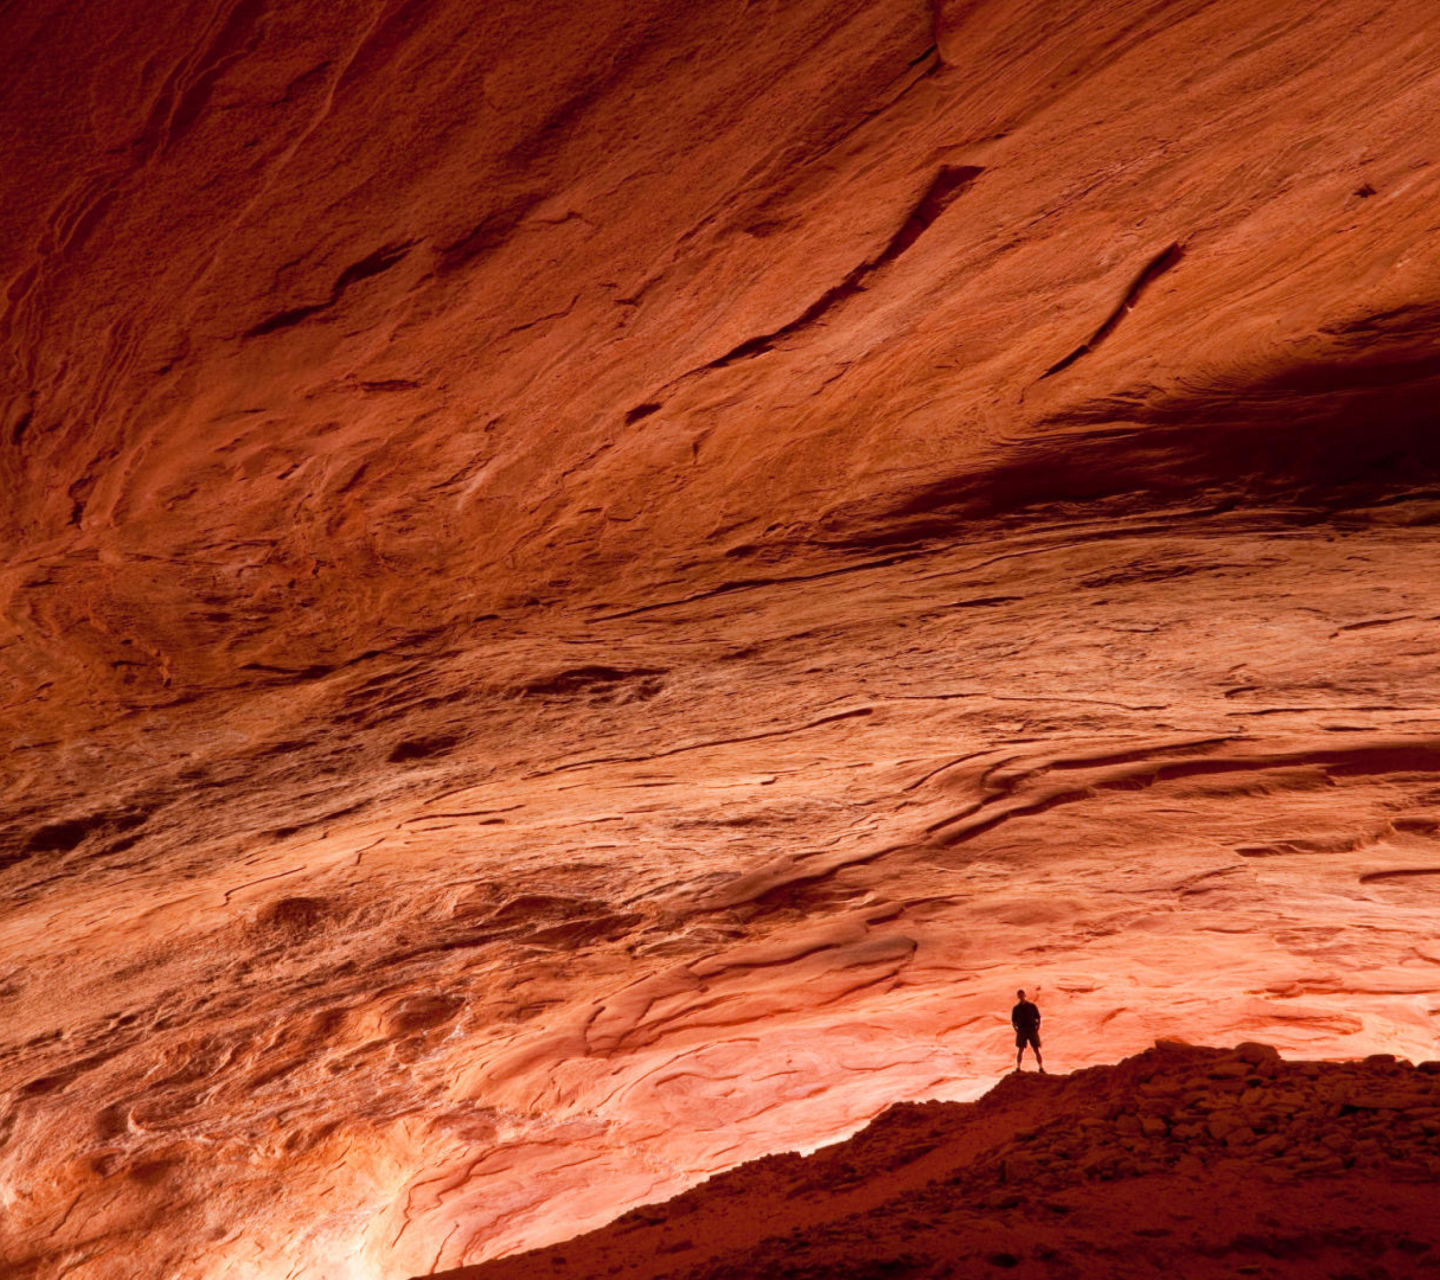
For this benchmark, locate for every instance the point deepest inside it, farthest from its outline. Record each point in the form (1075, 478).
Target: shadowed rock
(1183, 1161)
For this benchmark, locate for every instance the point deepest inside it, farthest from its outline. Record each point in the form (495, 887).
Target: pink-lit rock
(1319, 1172)
(589, 589)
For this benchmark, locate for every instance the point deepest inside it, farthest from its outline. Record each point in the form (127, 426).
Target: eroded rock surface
(588, 591)
(1181, 1161)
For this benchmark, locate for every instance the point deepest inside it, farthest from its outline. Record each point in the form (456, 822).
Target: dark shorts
(1022, 1038)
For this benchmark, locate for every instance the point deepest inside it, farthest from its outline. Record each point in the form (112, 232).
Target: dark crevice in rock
(1149, 273)
(944, 189)
(22, 425)
(599, 682)
(489, 233)
(371, 265)
(423, 748)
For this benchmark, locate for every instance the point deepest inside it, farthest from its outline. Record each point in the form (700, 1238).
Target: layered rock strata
(1181, 1161)
(587, 589)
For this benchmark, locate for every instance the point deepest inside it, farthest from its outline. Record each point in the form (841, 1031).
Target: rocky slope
(585, 590)
(1182, 1161)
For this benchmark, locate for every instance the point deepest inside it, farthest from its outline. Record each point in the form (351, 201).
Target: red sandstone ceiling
(588, 590)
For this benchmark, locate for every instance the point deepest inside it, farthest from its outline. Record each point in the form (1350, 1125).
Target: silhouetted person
(1025, 1018)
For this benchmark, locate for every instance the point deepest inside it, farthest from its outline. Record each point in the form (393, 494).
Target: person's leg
(1039, 1061)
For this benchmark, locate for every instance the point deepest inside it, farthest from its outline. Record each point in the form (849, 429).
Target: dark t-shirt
(1025, 1017)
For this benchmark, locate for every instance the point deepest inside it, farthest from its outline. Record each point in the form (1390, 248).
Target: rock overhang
(448, 803)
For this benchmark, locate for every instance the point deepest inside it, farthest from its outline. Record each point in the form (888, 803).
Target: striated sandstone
(947, 1189)
(587, 589)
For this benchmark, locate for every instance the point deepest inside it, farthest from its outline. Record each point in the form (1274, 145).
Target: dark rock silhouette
(1182, 1161)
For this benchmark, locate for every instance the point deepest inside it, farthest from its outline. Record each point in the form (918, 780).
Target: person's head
(1021, 994)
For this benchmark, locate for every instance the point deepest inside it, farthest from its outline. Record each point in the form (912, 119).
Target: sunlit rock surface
(589, 589)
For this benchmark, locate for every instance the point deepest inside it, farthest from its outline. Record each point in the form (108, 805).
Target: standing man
(1025, 1018)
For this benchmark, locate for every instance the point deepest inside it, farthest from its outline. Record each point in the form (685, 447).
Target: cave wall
(587, 591)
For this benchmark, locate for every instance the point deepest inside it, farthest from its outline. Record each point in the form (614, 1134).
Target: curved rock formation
(1181, 1161)
(589, 589)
